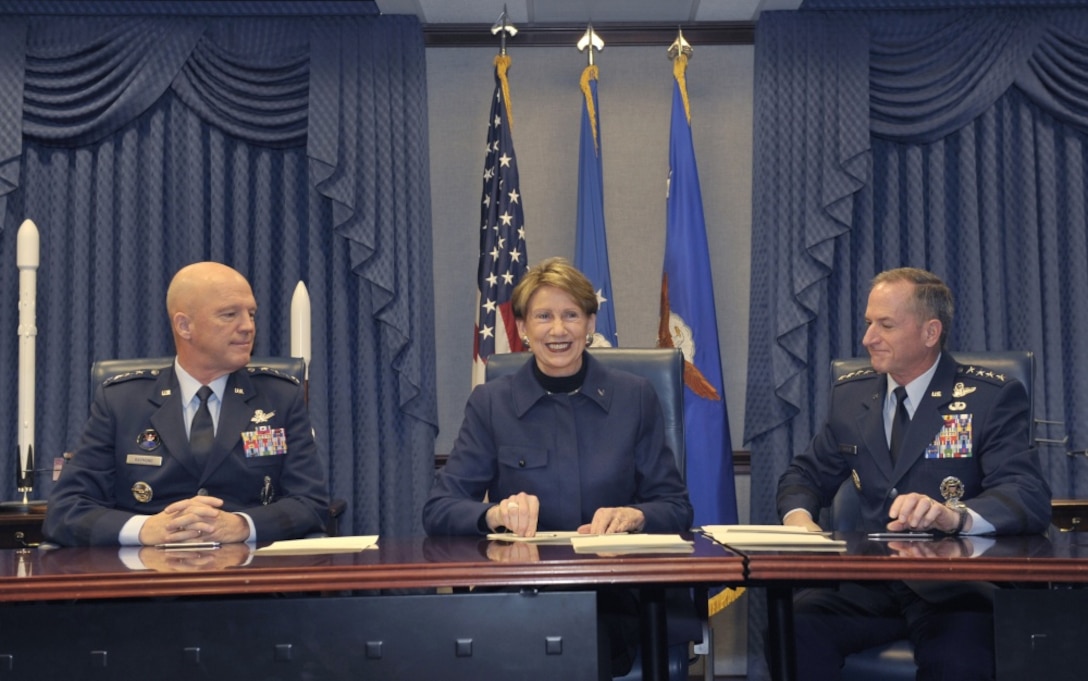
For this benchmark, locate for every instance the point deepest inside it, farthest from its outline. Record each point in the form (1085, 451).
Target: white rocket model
(27, 260)
(300, 324)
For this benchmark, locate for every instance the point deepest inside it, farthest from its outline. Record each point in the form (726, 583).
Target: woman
(564, 443)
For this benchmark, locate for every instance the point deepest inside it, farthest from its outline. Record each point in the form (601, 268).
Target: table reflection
(475, 549)
(945, 547)
(186, 560)
(1053, 544)
(512, 552)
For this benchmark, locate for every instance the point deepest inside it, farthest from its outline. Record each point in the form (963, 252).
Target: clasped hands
(199, 518)
(519, 513)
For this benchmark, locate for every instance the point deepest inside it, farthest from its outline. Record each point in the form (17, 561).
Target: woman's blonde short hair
(557, 272)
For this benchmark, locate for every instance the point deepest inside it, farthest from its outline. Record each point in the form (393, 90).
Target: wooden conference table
(1045, 605)
(84, 613)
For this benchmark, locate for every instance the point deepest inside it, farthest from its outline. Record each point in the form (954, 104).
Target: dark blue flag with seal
(688, 321)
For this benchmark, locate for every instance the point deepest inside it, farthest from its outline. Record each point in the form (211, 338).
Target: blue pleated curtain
(292, 148)
(956, 141)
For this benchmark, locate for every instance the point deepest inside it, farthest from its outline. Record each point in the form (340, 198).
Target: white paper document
(295, 547)
(772, 538)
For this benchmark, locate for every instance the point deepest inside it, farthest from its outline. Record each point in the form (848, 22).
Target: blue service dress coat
(133, 458)
(971, 424)
(602, 446)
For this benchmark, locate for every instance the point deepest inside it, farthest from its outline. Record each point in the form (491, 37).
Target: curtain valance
(932, 73)
(87, 78)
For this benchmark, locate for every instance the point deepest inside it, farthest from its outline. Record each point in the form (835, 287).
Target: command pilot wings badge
(260, 416)
(961, 390)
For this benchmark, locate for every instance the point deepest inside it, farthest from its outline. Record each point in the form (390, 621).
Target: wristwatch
(952, 490)
(960, 508)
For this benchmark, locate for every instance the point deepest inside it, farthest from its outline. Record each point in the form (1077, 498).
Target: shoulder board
(982, 374)
(132, 375)
(867, 372)
(269, 371)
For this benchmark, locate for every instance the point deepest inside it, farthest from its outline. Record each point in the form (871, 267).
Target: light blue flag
(591, 247)
(688, 322)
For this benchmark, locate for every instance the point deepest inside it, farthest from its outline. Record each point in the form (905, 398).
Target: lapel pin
(142, 492)
(148, 440)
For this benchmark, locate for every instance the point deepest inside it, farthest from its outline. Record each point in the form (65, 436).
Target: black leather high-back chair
(664, 368)
(895, 661)
(105, 369)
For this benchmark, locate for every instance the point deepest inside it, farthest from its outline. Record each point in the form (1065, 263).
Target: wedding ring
(511, 506)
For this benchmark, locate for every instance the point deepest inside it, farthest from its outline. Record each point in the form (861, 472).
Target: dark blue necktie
(899, 422)
(202, 432)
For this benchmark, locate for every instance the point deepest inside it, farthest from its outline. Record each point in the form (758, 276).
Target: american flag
(502, 235)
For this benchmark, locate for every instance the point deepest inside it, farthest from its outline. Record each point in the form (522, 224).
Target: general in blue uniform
(111, 477)
(959, 461)
(205, 450)
(971, 425)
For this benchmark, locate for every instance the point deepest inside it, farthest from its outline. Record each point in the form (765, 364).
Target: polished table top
(1054, 557)
(1057, 557)
(398, 563)
(431, 562)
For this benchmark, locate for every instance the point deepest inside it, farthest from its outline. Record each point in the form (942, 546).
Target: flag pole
(590, 40)
(681, 46)
(588, 43)
(681, 52)
(503, 27)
